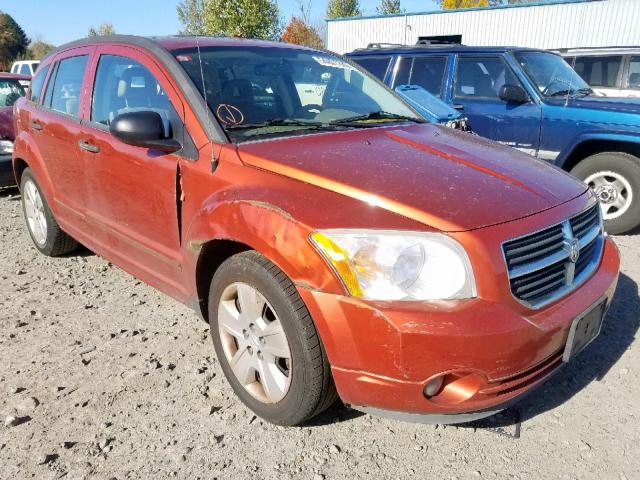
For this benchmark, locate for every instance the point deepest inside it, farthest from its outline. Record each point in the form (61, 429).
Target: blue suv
(531, 100)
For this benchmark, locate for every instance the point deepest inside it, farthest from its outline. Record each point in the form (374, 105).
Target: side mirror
(143, 129)
(513, 94)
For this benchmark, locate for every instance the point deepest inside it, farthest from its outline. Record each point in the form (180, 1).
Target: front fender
(264, 227)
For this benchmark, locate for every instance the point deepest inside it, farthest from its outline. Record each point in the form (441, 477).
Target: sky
(60, 21)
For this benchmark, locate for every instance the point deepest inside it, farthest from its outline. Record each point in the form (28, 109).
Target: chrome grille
(549, 263)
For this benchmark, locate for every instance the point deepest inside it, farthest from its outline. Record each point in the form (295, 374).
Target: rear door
(475, 93)
(134, 191)
(55, 127)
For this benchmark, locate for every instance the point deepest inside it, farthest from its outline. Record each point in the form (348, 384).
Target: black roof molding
(183, 82)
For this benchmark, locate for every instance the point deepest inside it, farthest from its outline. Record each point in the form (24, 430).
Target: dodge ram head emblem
(572, 247)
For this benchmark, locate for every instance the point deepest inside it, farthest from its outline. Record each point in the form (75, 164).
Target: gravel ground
(102, 377)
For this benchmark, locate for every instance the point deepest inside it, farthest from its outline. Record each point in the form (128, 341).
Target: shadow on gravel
(618, 332)
(336, 413)
(12, 193)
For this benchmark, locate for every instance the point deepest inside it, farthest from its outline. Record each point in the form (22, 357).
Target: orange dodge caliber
(337, 244)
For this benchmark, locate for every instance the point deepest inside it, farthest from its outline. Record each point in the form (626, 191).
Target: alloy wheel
(34, 211)
(254, 343)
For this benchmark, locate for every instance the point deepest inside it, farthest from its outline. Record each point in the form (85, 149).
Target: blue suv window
(428, 72)
(482, 78)
(375, 65)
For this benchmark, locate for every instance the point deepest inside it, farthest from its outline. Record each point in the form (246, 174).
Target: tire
(286, 390)
(46, 234)
(615, 177)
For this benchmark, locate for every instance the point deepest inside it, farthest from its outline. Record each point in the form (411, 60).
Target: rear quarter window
(35, 92)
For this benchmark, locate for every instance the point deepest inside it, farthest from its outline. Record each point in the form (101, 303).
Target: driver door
(477, 84)
(134, 197)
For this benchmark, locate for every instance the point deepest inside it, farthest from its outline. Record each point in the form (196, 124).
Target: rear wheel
(45, 232)
(266, 342)
(615, 177)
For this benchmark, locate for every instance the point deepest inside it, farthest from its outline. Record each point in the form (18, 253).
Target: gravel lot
(103, 377)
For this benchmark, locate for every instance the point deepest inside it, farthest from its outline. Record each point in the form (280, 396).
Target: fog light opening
(433, 387)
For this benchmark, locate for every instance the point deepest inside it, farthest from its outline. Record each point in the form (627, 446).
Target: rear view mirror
(513, 94)
(143, 129)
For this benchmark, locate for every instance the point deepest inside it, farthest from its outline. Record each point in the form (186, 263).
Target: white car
(610, 71)
(25, 67)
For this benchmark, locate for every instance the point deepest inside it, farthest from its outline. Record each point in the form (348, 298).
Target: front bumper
(384, 353)
(7, 179)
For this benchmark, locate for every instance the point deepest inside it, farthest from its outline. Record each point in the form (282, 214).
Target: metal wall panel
(597, 23)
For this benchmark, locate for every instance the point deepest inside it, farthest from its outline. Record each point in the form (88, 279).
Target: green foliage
(13, 41)
(389, 7)
(343, 9)
(103, 30)
(38, 49)
(242, 18)
(191, 16)
(453, 4)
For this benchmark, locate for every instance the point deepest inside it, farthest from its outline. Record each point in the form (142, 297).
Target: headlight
(6, 147)
(389, 265)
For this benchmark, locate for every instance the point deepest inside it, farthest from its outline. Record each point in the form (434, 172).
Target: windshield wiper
(276, 122)
(379, 115)
(561, 93)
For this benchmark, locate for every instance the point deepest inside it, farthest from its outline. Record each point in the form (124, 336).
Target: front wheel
(266, 341)
(615, 178)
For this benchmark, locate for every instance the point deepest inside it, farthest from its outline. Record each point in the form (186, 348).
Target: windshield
(10, 91)
(551, 75)
(273, 91)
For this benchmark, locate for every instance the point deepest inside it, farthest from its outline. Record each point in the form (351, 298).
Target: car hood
(445, 179)
(610, 104)
(6, 123)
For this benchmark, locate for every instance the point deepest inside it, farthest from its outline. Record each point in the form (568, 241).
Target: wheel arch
(589, 146)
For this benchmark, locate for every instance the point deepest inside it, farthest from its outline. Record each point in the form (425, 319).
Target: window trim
(483, 99)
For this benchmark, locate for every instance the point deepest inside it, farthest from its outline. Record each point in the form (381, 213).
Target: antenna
(214, 160)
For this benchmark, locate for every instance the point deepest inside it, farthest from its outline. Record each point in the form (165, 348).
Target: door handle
(35, 125)
(89, 147)
(458, 106)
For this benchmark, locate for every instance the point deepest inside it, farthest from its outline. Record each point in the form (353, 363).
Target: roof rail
(384, 45)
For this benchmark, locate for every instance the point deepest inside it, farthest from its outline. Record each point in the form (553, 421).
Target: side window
(24, 69)
(124, 85)
(482, 78)
(14, 68)
(599, 71)
(428, 72)
(65, 94)
(377, 66)
(35, 92)
(634, 73)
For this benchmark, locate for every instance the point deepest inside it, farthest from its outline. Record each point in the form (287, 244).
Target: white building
(549, 25)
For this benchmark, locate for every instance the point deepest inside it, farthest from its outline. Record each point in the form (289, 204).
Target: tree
(191, 16)
(103, 30)
(343, 9)
(452, 4)
(13, 41)
(38, 49)
(242, 18)
(298, 32)
(389, 7)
